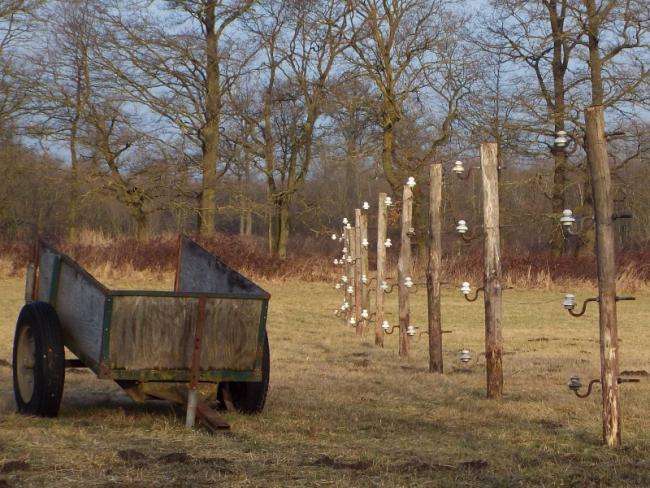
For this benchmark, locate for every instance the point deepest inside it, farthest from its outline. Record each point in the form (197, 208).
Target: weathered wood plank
(152, 332)
(158, 333)
(231, 334)
(80, 307)
(30, 279)
(46, 261)
(201, 272)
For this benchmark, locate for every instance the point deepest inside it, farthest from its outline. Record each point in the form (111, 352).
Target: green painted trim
(260, 336)
(184, 375)
(181, 294)
(54, 284)
(106, 329)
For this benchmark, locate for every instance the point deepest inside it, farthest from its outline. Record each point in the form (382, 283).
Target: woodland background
(124, 122)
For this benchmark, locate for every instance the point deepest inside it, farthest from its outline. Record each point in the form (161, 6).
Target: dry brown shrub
(113, 258)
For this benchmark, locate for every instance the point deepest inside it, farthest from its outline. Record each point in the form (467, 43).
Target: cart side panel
(152, 332)
(231, 336)
(80, 307)
(46, 269)
(201, 272)
(157, 333)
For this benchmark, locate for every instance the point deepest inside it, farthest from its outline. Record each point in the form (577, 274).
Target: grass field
(341, 412)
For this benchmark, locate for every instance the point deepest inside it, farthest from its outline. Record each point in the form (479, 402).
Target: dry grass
(343, 413)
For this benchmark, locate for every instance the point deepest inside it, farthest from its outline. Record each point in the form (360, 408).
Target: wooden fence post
(349, 272)
(404, 270)
(606, 259)
(382, 211)
(365, 289)
(356, 256)
(492, 278)
(433, 269)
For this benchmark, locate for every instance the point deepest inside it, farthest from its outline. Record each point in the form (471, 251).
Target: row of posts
(357, 291)
(601, 181)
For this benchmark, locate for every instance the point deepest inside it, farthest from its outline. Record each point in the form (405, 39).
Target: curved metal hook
(475, 294)
(584, 307)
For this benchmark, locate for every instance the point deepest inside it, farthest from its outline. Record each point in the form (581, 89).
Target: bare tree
(412, 53)
(60, 86)
(16, 19)
(549, 38)
(301, 43)
(181, 73)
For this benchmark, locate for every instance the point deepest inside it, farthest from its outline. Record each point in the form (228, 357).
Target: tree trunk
(282, 231)
(351, 177)
(559, 67)
(270, 232)
(141, 223)
(248, 224)
(388, 148)
(210, 132)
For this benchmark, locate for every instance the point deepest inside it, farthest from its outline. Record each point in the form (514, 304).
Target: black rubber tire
(250, 396)
(40, 321)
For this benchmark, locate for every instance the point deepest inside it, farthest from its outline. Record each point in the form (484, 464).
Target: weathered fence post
(433, 268)
(365, 289)
(606, 258)
(492, 279)
(349, 272)
(404, 269)
(356, 256)
(382, 211)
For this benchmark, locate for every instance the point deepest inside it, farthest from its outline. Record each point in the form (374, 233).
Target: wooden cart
(206, 340)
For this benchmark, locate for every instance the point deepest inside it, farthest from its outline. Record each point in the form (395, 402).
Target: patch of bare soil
(138, 458)
(637, 372)
(216, 464)
(364, 363)
(477, 464)
(417, 466)
(420, 466)
(12, 466)
(131, 456)
(550, 424)
(329, 462)
(175, 457)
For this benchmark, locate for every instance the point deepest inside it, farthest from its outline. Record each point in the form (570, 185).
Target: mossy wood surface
(158, 332)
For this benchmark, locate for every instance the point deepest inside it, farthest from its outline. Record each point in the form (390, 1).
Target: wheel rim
(25, 361)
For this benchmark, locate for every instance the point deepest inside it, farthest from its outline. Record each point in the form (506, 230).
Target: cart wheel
(250, 396)
(38, 360)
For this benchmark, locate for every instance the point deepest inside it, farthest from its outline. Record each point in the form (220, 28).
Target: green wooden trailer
(204, 342)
